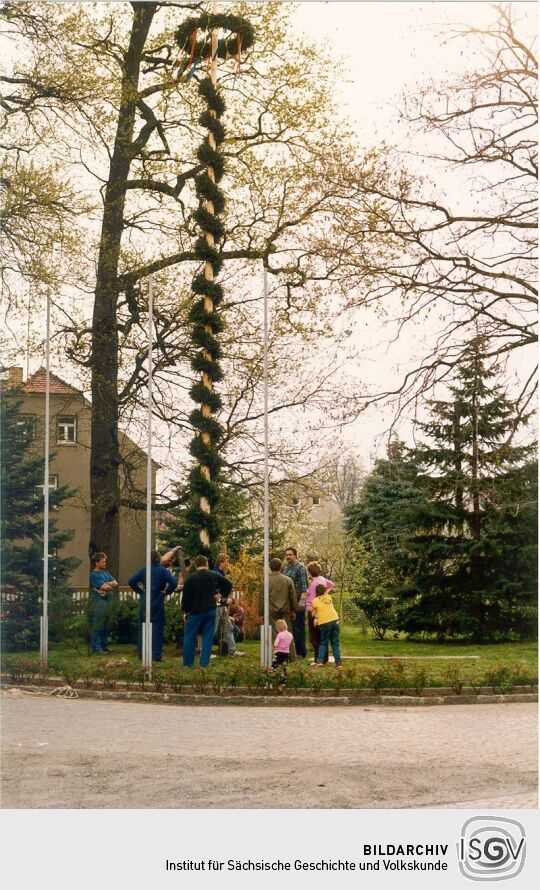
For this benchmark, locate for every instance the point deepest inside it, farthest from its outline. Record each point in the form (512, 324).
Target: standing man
(162, 583)
(223, 629)
(296, 571)
(282, 601)
(102, 585)
(199, 605)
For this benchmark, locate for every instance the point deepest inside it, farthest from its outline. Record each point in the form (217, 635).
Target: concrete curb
(196, 699)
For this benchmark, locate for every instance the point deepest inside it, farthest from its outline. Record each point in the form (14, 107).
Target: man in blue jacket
(162, 584)
(103, 585)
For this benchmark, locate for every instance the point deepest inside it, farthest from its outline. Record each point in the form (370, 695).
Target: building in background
(69, 436)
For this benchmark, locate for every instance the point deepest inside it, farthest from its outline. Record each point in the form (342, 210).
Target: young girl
(282, 644)
(327, 620)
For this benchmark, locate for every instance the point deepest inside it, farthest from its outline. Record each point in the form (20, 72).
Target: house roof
(57, 386)
(36, 383)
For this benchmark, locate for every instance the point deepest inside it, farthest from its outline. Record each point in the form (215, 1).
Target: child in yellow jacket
(327, 620)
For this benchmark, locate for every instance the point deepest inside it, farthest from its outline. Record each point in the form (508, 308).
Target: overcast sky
(387, 48)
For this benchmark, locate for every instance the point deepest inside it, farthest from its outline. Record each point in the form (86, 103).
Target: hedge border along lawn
(500, 667)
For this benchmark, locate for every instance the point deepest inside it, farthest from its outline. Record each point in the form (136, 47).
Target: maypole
(198, 39)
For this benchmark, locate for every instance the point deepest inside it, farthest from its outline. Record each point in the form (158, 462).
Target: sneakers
(238, 654)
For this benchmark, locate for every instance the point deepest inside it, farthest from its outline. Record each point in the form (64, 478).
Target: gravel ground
(93, 754)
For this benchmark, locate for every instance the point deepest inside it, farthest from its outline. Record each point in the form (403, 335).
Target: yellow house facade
(69, 436)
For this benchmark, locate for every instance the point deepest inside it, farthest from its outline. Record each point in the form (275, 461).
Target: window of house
(316, 502)
(296, 502)
(26, 428)
(67, 429)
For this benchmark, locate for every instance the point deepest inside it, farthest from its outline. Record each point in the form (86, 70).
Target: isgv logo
(491, 848)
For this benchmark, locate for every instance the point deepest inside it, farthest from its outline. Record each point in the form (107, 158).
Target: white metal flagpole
(147, 628)
(44, 623)
(266, 636)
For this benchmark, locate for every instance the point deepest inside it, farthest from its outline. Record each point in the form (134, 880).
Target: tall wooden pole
(204, 315)
(209, 275)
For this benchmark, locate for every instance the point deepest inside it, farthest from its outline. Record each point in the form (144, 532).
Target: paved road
(68, 753)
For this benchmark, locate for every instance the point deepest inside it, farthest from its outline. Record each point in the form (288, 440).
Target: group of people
(211, 612)
(297, 591)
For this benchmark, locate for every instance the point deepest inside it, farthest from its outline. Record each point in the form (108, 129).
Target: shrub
(316, 680)
(252, 621)
(419, 679)
(174, 621)
(130, 674)
(500, 678)
(177, 680)
(123, 620)
(200, 680)
(70, 671)
(453, 677)
(379, 678)
(524, 676)
(160, 677)
(398, 675)
(219, 680)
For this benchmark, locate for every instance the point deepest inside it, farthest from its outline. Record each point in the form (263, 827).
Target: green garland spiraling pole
(200, 45)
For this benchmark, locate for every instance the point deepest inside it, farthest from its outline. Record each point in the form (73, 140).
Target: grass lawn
(518, 657)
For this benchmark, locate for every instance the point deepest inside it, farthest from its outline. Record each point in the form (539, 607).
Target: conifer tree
(470, 557)
(22, 537)
(379, 524)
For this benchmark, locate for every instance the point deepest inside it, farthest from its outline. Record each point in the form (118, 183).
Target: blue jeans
(202, 623)
(98, 637)
(329, 634)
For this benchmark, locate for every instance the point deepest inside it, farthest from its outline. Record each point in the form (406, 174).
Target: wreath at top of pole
(192, 38)
(198, 41)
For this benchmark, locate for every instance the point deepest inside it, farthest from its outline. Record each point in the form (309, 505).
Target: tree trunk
(104, 450)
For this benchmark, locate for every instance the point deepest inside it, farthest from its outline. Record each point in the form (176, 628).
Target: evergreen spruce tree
(471, 562)
(22, 538)
(380, 522)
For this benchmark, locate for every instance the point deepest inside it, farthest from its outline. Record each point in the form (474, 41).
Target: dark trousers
(314, 635)
(202, 623)
(299, 633)
(280, 659)
(157, 617)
